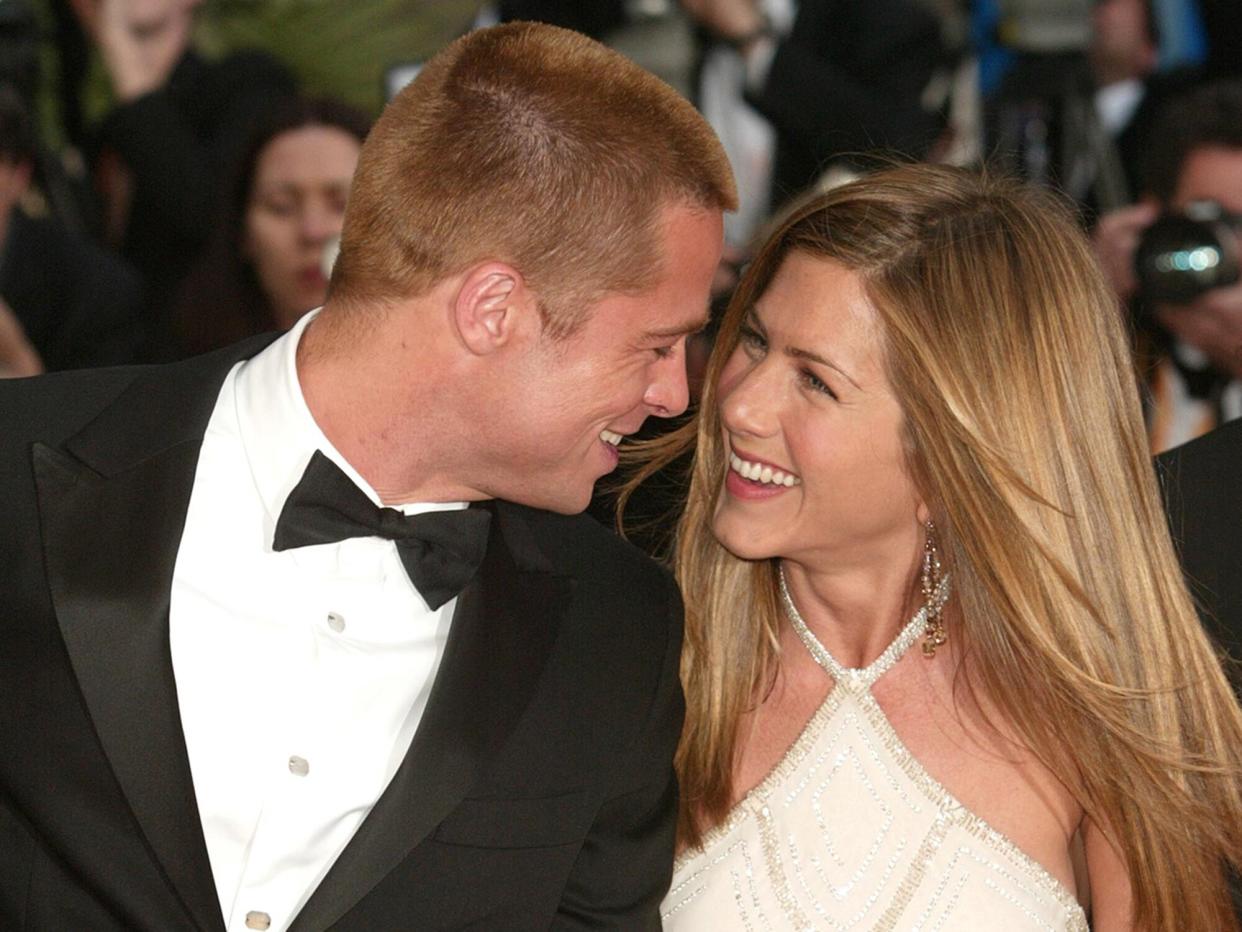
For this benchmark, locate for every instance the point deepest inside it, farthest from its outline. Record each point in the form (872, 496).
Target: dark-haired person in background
(69, 302)
(167, 146)
(264, 264)
(1195, 155)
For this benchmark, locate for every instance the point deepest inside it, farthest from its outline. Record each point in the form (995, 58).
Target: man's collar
(278, 431)
(1116, 104)
(159, 407)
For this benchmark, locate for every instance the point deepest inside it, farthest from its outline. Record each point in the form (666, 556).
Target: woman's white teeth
(757, 472)
(609, 437)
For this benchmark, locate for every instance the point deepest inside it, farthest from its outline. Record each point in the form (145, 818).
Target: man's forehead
(1212, 173)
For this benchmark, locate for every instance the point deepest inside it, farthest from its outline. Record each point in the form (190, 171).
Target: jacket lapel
(112, 510)
(503, 630)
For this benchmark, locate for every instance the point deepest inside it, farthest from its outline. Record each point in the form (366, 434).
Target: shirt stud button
(299, 767)
(258, 920)
(336, 622)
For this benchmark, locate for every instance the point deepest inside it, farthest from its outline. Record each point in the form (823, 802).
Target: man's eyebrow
(678, 330)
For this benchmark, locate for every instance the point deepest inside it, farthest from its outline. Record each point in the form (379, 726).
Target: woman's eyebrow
(798, 353)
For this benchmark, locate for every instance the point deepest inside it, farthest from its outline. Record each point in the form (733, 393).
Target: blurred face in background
(296, 205)
(1122, 46)
(1210, 173)
(141, 16)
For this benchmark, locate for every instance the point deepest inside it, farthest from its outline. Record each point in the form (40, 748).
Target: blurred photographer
(64, 302)
(1173, 257)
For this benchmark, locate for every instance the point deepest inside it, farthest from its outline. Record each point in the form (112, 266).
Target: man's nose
(668, 395)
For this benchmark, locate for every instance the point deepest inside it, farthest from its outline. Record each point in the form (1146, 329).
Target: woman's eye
(752, 340)
(280, 208)
(815, 383)
(664, 352)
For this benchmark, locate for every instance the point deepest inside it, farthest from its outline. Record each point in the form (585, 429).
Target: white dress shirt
(301, 675)
(1116, 103)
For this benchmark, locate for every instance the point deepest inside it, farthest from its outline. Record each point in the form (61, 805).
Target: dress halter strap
(863, 677)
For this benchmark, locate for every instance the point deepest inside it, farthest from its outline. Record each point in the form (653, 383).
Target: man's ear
(492, 306)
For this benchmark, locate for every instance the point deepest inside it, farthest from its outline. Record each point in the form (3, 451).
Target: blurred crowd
(204, 206)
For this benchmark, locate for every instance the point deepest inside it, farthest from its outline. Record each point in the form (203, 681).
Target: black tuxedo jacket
(1202, 483)
(538, 790)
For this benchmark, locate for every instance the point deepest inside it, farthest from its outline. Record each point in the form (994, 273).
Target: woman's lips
(754, 479)
(762, 471)
(311, 276)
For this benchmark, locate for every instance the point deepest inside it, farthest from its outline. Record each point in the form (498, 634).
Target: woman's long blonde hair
(1025, 435)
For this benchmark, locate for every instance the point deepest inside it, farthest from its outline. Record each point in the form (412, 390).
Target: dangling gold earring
(934, 635)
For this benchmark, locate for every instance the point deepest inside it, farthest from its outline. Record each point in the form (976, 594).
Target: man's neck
(393, 429)
(1116, 69)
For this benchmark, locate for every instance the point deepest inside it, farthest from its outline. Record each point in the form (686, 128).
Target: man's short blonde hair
(531, 145)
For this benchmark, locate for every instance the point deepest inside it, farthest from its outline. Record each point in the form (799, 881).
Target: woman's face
(812, 429)
(296, 206)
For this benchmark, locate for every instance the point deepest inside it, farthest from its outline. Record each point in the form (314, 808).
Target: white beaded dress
(848, 831)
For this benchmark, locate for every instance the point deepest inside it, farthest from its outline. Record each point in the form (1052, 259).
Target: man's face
(1121, 45)
(1211, 173)
(572, 399)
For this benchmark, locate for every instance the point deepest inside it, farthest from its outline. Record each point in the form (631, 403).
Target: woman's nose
(317, 225)
(748, 403)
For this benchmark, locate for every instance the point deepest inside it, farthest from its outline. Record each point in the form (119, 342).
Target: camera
(1182, 255)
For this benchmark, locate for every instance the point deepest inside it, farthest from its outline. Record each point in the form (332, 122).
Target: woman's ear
(921, 512)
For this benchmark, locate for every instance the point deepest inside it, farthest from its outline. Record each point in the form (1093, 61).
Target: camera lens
(1183, 255)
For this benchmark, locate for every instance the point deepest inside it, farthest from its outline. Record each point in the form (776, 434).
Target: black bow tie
(441, 550)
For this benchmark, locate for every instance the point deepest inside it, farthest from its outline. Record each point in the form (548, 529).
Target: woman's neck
(856, 610)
